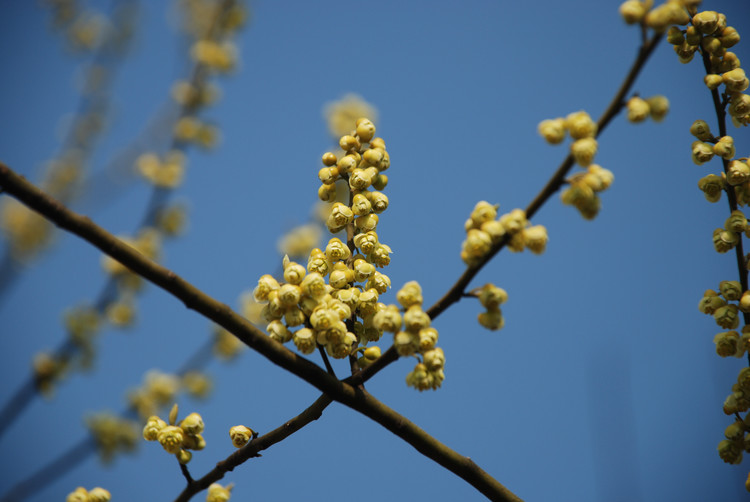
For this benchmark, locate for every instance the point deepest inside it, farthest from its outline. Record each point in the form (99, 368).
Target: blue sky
(603, 385)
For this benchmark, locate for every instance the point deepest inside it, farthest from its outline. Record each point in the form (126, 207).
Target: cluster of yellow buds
(484, 230)
(176, 439)
(737, 439)
(640, 109)
(729, 236)
(112, 434)
(727, 316)
(26, 230)
(737, 175)
(218, 56)
(241, 435)
(491, 297)
(190, 129)
(709, 33)
(584, 187)
(158, 390)
(218, 493)
(81, 494)
(322, 309)
(163, 173)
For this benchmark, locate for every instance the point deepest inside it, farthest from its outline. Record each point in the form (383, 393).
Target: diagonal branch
(224, 316)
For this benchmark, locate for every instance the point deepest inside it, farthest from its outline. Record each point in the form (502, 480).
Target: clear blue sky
(603, 385)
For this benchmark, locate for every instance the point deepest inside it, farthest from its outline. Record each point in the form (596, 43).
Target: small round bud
(700, 130)
(184, 456)
(658, 107)
(730, 290)
(583, 151)
(170, 437)
(192, 424)
(365, 130)
(349, 143)
(632, 11)
(706, 22)
(724, 148)
(580, 125)
(218, 493)
(329, 159)
(638, 109)
(702, 152)
(240, 435)
(713, 186)
(552, 130)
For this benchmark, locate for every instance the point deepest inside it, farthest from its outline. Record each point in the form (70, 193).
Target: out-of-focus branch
(223, 315)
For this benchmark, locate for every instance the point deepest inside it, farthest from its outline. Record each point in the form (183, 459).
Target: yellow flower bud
(535, 238)
(192, 424)
(361, 205)
(490, 296)
(727, 316)
(379, 202)
(738, 172)
(675, 36)
(406, 343)
(329, 159)
(421, 379)
(99, 495)
(724, 240)
(266, 284)
(665, 15)
(735, 80)
(337, 250)
(388, 319)
(380, 282)
(713, 186)
(701, 152)
(304, 340)
(410, 294)
(79, 495)
(700, 130)
(638, 109)
(379, 182)
(492, 319)
(434, 359)
(380, 255)
(428, 337)
(240, 435)
(363, 270)
(278, 331)
(730, 290)
(184, 456)
(366, 242)
(706, 22)
(366, 223)
(658, 107)
(365, 129)
(724, 148)
(729, 37)
(170, 437)
(580, 125)
(710, 302)
(416, 319)
(583, 151)
(218, 493)
(730, 451)
(737, 222)
(152, 428)
(552, 130)
(632, 11)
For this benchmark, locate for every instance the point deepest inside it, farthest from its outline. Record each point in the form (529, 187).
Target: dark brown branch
(254, 447)
(225, 317)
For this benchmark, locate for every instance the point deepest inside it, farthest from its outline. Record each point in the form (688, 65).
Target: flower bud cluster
(709, 33)
(166, 172)
(81, 494)
(640, 109)
(582, 130)
(176, 439)
(737, 439)
(584, 187)
(725, 307)
(729, 236)
(491, 297)
(483, 231)
(112, 434)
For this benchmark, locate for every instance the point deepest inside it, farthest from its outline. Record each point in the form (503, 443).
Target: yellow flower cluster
(584, 187)
(176, 439)
(483, 231)
(112, 434)
(218, 56)
(192, 130)
(163, 173)
(709, 33)
(94, 495)
(241, 435)
(333, 302)
(737, 438)
(27, 232)
(158, 390)
(729, 236)
(640, 109)
(491, 297)
(727, 316)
